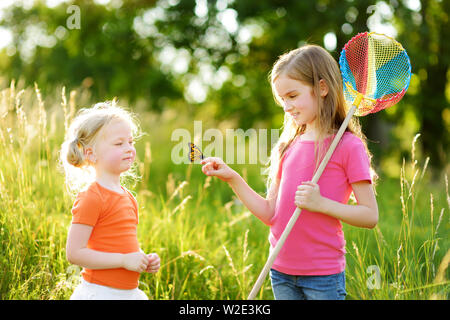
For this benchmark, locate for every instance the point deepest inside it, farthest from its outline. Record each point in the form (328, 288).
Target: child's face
(297, 99)
(114, 150)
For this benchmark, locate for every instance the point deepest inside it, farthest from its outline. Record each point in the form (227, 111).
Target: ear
(90, 155)
(323, 88)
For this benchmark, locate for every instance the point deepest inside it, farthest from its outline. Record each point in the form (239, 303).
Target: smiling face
(114, 150)
(297, 99)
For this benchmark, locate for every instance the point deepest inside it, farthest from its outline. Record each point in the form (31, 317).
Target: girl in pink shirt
(307, 83)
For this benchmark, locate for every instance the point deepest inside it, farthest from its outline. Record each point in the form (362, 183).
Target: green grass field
(210, 246)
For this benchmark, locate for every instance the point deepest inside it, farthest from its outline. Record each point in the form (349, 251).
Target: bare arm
(77, 253)
(364, 214)
(262, 208)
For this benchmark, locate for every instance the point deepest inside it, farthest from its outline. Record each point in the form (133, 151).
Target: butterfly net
(376, 66)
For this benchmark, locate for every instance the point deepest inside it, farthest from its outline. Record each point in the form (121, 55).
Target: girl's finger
(305, 187)
(206, 160)
(153, 257)
(211, 159)
(205, 168)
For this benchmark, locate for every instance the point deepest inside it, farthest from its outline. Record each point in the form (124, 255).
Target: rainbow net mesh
(376, 66)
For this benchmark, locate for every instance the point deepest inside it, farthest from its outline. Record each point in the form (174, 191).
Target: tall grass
(210, 246)
(401, 257)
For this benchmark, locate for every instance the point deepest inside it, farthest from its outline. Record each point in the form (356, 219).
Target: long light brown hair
(310, 64)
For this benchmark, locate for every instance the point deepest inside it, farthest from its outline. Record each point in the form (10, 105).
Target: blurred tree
(105, 54)
(425, 29)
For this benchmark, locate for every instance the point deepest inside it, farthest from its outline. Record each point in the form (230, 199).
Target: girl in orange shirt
(97, 152)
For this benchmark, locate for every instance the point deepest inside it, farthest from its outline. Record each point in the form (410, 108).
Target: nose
(287, 107)
(131, 148)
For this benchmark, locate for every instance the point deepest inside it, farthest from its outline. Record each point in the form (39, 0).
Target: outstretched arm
(262, 208)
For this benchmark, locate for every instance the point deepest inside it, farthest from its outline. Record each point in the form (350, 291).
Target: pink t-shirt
(316, 244)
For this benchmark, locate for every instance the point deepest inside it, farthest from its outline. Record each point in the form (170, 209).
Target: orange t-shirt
(114, 217)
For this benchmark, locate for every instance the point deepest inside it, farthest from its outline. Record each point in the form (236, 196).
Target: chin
(126, 169)
(122, 169)
(299, 123)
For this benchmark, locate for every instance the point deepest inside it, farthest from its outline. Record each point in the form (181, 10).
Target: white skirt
(92, 291)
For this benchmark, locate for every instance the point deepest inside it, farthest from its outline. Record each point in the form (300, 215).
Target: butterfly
(194, 153)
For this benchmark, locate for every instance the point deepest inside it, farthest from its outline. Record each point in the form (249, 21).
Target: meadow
(210, 246)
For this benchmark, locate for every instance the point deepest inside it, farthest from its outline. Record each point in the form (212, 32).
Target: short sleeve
(280, 166)
(135, 204)
(86, 208)
(357, 164)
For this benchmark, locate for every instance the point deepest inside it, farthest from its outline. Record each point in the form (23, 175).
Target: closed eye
(131, 142)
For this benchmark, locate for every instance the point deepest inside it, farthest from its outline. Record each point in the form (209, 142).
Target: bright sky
(5, 37)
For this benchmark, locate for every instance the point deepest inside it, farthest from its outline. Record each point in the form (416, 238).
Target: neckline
(313, 141)
(306, 141)
(112, 191)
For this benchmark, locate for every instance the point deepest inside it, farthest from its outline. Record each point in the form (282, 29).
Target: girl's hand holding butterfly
(213, 166)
